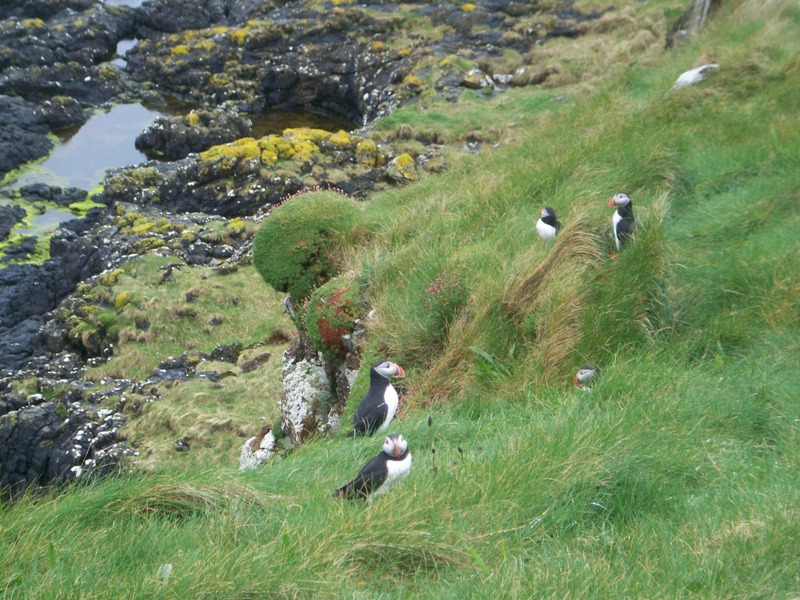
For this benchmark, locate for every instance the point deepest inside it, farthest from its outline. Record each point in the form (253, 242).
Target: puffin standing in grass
(547, 226)
(382, 472)
(622, 222)
(585, 376)
(376, 409)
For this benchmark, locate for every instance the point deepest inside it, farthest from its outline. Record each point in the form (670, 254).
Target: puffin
(382, 472)
(547, 226)
(585, 376)
(376, 409)
(622, 222)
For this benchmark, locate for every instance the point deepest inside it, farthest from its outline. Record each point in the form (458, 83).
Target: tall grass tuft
(183, 500)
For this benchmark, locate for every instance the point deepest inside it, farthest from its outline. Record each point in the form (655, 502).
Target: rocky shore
(224, 63)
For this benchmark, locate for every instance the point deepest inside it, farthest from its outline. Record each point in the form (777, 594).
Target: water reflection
(131, 3)
(122, 49)
(105, 141)
(46, 222)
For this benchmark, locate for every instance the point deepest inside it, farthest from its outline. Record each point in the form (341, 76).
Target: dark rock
(227, 352)
(22, 133)
(173, 138)
(9, 217)
(253, 364)
(171, 16)
(47, 443)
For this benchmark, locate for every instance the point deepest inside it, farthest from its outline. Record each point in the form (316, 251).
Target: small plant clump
(295, 249)
(330, 315)
(444, 296)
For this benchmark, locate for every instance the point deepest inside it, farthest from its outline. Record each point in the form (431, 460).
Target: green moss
(295, 249)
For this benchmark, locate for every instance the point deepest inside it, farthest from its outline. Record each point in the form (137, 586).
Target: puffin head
(548, 216)
(395, 445)
(620, 199)
(387, 368)
(584, 375)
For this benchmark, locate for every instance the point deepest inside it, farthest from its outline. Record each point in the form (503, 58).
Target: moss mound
(295, 249)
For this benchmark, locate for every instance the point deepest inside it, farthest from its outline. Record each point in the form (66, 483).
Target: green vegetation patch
(298, 246)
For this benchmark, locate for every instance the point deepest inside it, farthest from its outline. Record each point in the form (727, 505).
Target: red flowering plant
(444, 296)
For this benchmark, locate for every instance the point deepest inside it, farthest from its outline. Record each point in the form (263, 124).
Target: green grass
(675, 476)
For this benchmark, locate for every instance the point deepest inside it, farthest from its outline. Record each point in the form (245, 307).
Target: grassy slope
(675, 476)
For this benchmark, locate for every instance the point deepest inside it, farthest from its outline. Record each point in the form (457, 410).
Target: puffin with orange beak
(622, 222)
(376, 409)
(382, 472)
(585, 376)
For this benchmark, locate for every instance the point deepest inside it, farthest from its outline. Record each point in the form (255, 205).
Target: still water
(105, 141)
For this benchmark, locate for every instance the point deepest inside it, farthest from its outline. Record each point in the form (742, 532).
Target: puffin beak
(397, 451)
(575, 380)
(399, 372)
(611, 203)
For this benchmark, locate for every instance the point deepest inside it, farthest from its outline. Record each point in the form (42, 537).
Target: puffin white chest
(391, 400)
(614, 222)
(396, 470)
(545, 231)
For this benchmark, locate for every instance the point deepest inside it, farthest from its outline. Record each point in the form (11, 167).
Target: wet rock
(41, 192)
(9, 217)
(173, 138)
(22, 133)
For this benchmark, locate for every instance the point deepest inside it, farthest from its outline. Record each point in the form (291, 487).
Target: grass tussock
(180, 501)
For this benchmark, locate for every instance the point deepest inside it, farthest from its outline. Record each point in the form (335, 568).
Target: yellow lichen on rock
(341, 139)
(468, 7)
(377, 46)
(412, 81)
(179, 50)
(306, 133)
(304, 149)
(403, 168)
(367, 153)
(275, 146)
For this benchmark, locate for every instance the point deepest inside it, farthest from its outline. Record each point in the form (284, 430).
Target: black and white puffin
(585, 376)
(376, 409)
(382, 472)
(622, 222)
(547, 226)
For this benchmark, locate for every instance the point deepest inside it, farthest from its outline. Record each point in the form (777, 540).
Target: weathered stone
(254, 363)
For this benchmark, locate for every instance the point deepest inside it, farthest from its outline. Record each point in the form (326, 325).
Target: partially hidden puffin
(585, 376)
(382, 472)
(376, 409)
(547, 226)
(622, 222)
